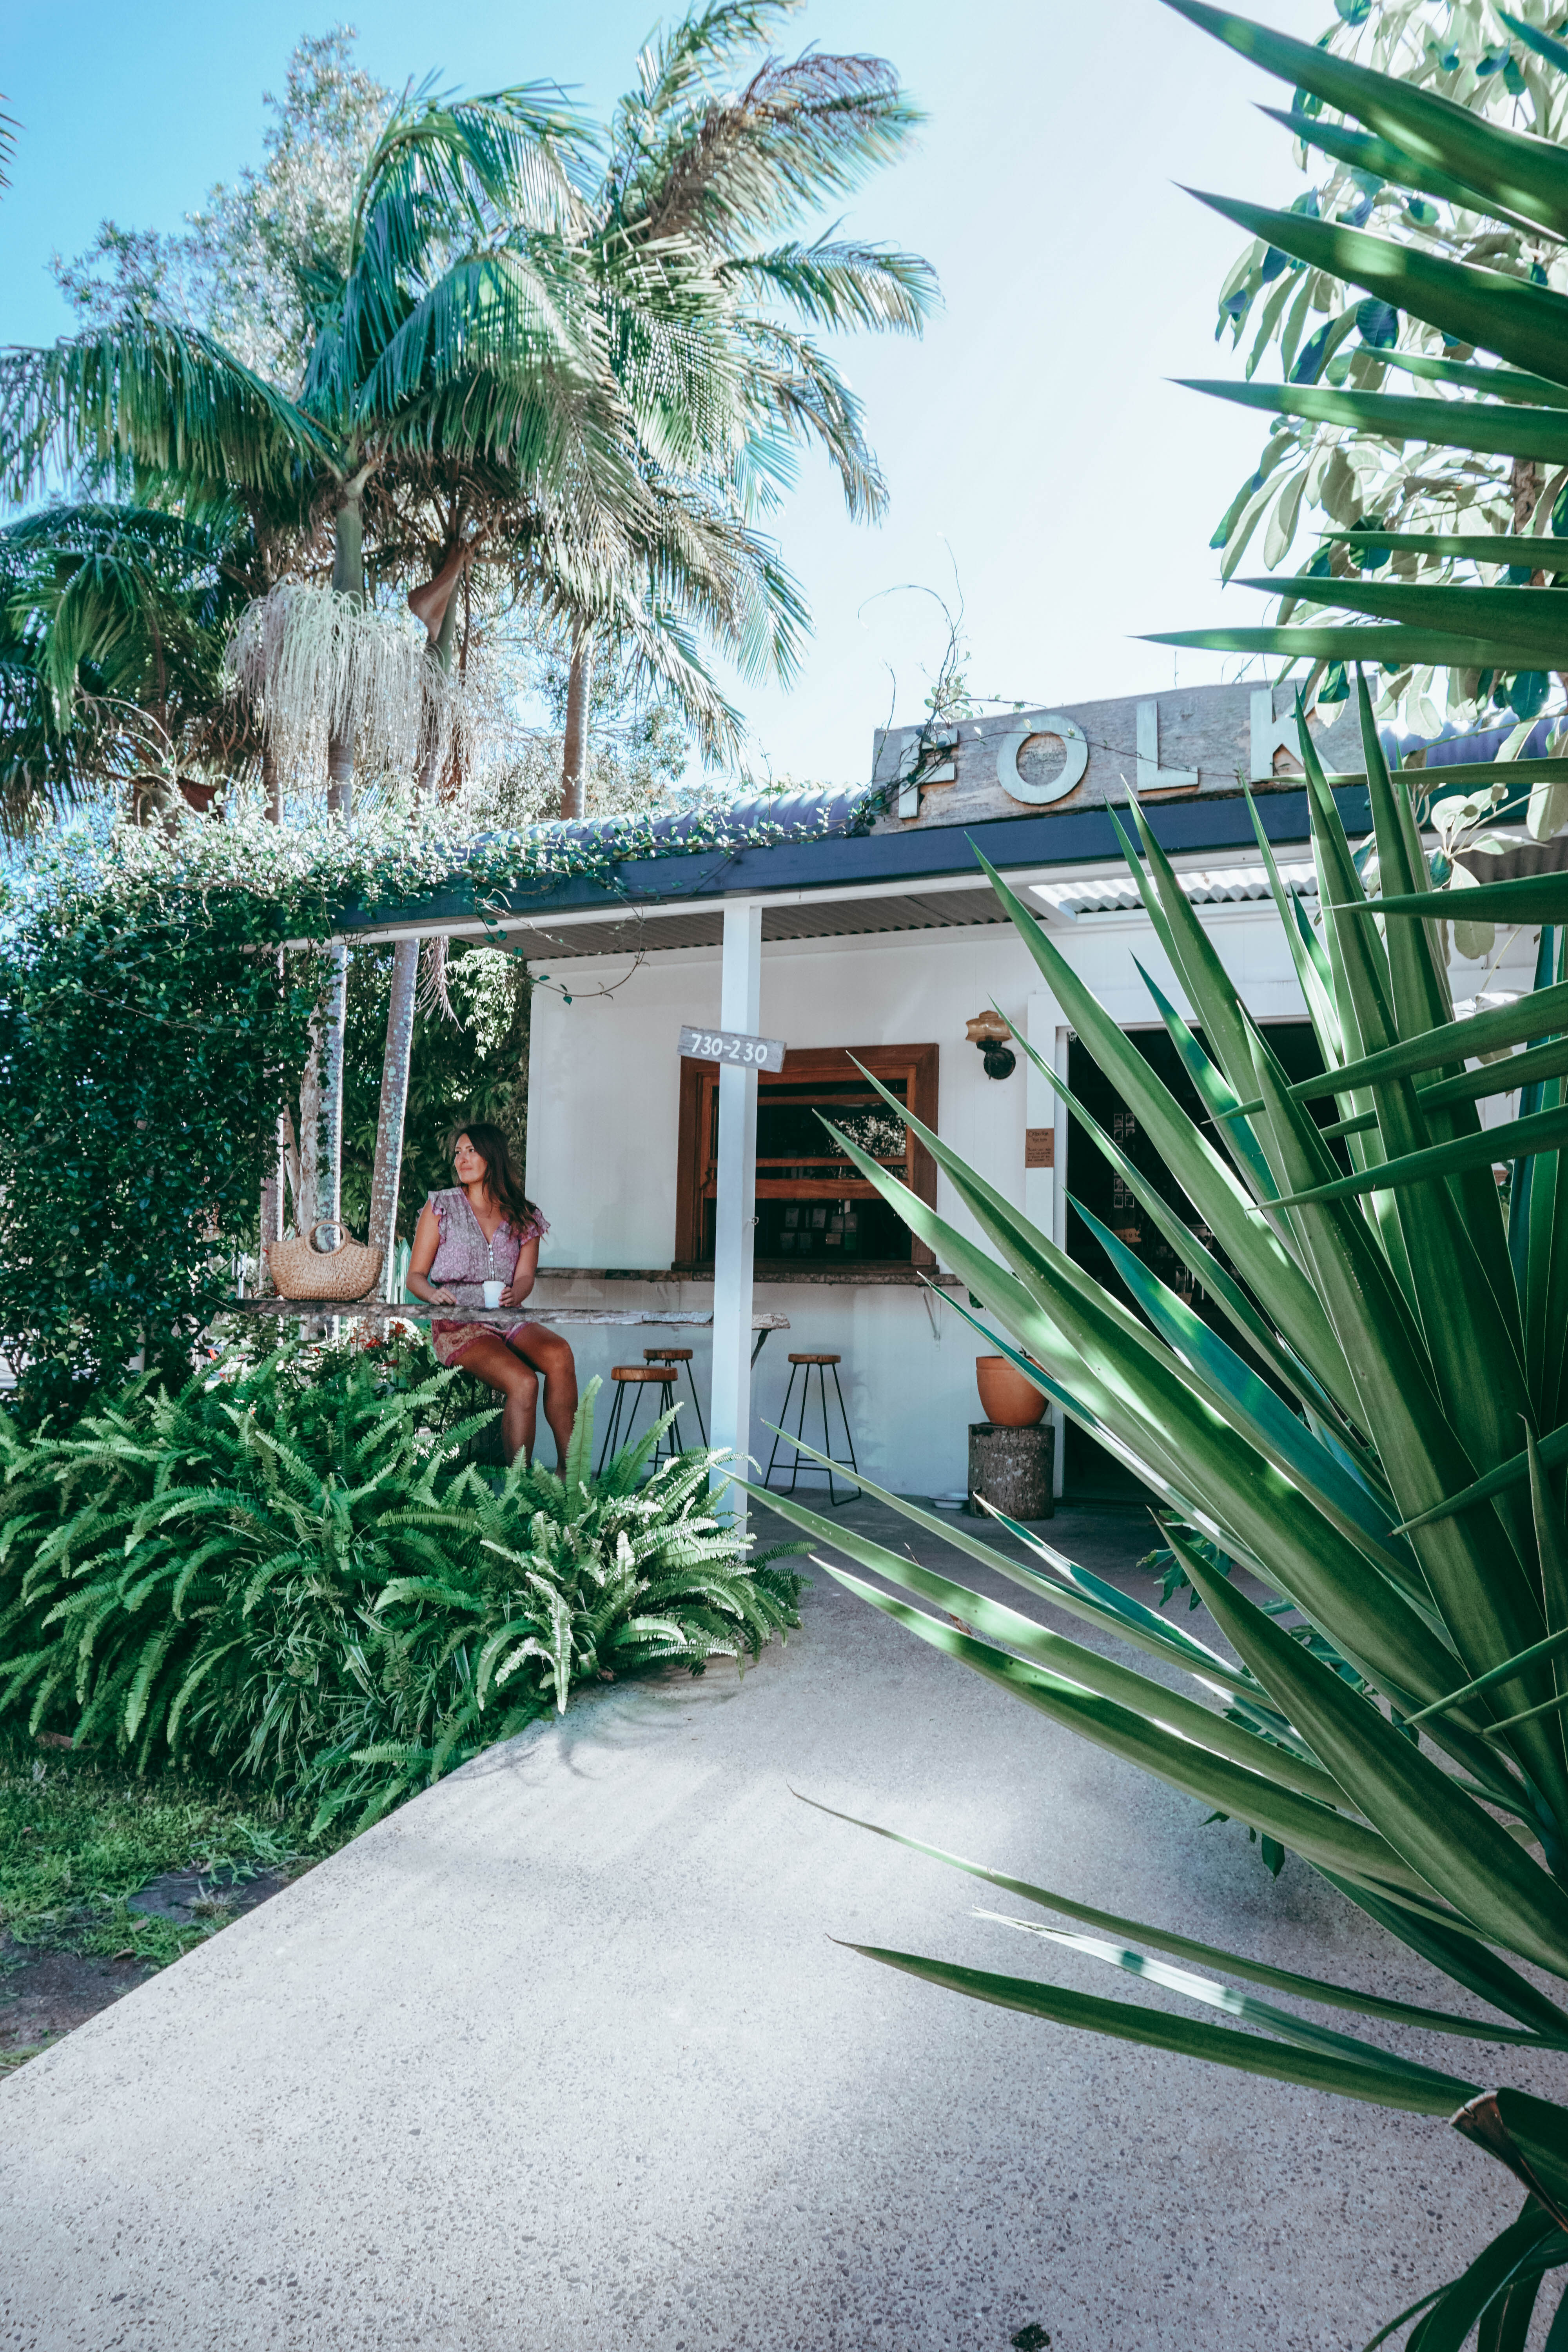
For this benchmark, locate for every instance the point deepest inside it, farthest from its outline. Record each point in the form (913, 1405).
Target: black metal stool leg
(780, 1431)
(832, 1458)
(611, 1433)
(849, 1436)
(800, 1427)
(642, 1386)
(669, 1444)
(696, 1406)
(849, 1439)
(621, 1388)
(822, 1407)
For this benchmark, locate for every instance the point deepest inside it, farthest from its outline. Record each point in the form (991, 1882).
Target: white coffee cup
(492, 1293)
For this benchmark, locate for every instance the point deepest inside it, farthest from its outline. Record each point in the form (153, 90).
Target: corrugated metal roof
(1215, 886)
(824, 919)
(846, 918)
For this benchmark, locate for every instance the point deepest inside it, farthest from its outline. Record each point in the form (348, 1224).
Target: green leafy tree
(1322, 329)
(583, 370)
(450, 339)
(452, 253)
(1435, 250)
(114, 620)
(241, 271)
(670, 253)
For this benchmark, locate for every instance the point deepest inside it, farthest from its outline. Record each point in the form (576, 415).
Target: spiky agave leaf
(1433, 1324)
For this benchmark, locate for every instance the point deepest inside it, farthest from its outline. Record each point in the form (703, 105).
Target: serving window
(813, 1210)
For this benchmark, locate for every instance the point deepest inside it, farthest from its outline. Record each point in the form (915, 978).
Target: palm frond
(693, 159)
(797, 395)
(164, 397)
(837, 285)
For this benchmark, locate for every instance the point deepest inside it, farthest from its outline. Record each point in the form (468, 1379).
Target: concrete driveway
(564, 2055)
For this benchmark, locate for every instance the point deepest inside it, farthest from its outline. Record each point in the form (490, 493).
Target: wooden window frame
(803, 1066)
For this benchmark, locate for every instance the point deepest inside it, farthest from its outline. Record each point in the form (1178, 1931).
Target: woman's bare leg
(550, 1356)
(493, 1362)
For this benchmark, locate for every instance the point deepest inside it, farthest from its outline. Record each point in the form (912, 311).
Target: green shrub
(142, 1035)
(287, 1573)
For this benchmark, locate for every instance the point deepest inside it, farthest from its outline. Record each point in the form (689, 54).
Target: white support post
(1045, 1188)
(739, 1007)
(1060, 1235)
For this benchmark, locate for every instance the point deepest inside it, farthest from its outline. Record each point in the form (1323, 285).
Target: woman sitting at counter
(485, 1229)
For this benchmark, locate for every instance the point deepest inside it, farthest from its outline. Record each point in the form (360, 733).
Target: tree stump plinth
(1011, 1468)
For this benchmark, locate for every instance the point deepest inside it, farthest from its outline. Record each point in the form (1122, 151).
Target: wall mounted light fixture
(991, 1033)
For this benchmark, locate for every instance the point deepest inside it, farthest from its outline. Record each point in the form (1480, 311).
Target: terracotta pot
(1006, 1396)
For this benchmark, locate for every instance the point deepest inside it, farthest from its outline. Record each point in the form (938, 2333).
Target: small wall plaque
(1039, 1147)
(733, 1047)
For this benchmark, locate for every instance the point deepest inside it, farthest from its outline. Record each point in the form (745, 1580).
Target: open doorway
(1089, 1473)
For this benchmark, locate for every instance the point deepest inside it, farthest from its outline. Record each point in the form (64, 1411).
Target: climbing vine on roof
(156, 993)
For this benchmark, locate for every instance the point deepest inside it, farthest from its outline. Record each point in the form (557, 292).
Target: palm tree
(429, 296)
(572, 368)
(714, 392)
(719, 149)
(454, 336)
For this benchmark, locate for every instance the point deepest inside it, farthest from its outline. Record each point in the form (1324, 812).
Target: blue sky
(1033, 430)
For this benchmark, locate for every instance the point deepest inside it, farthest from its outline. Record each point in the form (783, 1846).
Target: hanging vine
(150, 1029)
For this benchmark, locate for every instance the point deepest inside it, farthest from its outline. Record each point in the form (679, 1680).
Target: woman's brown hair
(501, 1174)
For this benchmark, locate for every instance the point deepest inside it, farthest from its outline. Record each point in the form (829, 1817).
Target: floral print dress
(465, 1261)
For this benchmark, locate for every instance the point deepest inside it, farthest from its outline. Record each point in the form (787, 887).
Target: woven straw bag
(301, 1271)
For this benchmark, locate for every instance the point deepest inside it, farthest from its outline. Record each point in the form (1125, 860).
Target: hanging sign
(733, 1048)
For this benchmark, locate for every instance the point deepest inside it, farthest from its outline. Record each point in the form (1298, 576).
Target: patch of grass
(11, 2059)
(78, 1834)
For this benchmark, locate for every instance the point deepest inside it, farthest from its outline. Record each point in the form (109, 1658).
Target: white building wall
(603, 1103)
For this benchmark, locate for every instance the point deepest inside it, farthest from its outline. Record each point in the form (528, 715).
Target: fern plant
(286, 1573)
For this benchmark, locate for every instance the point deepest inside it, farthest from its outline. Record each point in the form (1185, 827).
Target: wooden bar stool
(637, 1376)
(804, 1465)
(679, 1356)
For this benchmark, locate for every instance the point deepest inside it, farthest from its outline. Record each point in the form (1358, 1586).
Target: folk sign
(733, 1048)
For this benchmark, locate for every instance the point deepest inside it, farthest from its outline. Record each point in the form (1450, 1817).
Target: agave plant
(1370, 1438)
(289, 1578)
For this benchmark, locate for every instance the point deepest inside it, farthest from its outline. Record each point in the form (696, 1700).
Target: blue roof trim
(850, 859)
